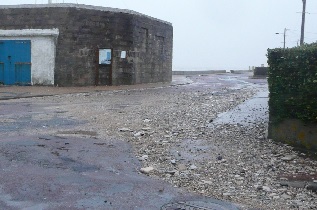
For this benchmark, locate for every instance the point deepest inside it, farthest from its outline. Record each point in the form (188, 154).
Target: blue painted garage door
(15, 62)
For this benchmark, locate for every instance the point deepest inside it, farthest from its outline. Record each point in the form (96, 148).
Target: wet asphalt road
(78, 170)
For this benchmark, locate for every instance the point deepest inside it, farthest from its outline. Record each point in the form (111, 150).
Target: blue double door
(15, 62)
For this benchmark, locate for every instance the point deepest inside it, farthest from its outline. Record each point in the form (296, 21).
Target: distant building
(79, 45)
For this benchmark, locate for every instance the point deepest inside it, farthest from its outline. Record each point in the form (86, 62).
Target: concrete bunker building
(80, 45)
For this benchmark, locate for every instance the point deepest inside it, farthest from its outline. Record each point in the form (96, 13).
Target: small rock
(297, 184)
(288, 157)
(144, 157)
(146, 128)
(182, 167)
(146, 120)
(266, 188)
(138, 134)
(261, 137)
(171, 172)
(161, 189)
(219, 157)
(272, 194)
(286, 197)
(193, 167)
(146, 170)
(124, 129)
(312, 186)
(207, 182)
(173, 161)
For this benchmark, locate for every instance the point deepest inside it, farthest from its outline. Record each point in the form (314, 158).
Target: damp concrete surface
(78, 170)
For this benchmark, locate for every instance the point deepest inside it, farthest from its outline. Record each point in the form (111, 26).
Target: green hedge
(292, 80)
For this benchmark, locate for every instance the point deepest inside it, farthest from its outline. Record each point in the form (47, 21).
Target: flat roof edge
(81, 6)
(29, 32)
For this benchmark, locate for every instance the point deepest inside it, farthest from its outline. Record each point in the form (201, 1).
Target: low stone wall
(295, 133)
(198, 72)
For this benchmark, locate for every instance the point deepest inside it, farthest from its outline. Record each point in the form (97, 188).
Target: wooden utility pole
(303, 23)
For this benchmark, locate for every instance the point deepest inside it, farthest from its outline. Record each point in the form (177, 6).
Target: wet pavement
(54, 172)
(251, 112)
(61, 167)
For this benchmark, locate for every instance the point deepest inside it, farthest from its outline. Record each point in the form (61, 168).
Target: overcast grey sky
(220, 34)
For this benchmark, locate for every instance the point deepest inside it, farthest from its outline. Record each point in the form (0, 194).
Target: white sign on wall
(123, 54)
(105, 56)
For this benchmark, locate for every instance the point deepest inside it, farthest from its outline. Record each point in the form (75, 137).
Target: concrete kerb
(209, 72)
(16, 92)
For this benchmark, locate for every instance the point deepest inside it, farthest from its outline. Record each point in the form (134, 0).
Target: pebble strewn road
(177, 136)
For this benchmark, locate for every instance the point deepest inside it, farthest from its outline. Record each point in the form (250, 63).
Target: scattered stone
(286, 197)
(179, 130)
(207, 182)
(124, 129)
(193, 167)
(146, 120)
(288, 157)
(146, 170)
(138, 134)
(297, 184)
(182, 167)
(144, 157)
(312, 186)
(171, 172)
(266, 189)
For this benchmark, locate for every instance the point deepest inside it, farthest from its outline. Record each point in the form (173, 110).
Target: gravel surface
(174, 135)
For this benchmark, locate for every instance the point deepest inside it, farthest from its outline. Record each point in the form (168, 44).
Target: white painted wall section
(43, 52)
(43, 61)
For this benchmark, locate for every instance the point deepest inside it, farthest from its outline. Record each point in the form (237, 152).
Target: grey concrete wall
(295, 132)
(83, 30)
(152, 50)
(198, 72)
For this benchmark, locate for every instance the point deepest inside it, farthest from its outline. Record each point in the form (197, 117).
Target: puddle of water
(252, 111)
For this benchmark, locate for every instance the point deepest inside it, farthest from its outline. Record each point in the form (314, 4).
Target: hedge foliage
(292, 79)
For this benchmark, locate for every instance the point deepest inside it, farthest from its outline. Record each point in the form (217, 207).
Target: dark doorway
(105, 67)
